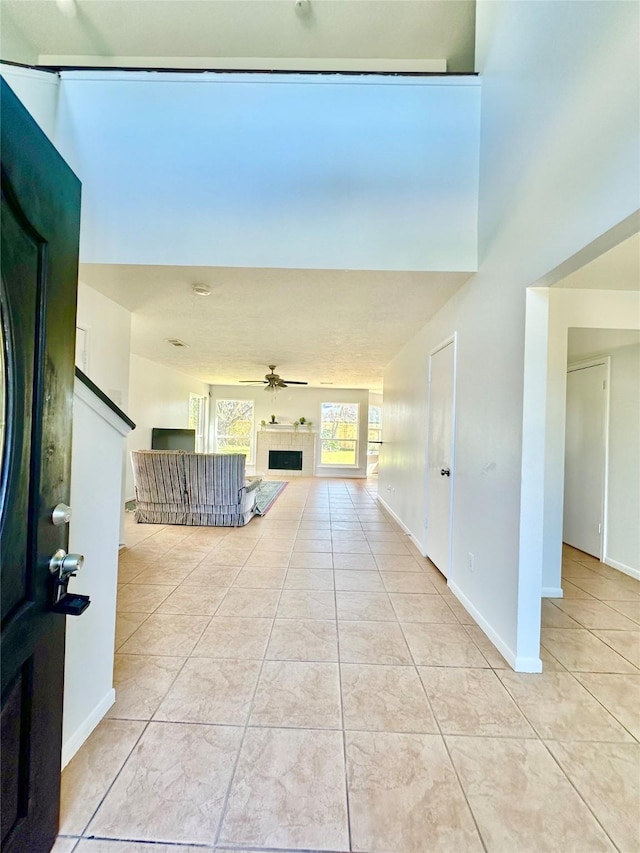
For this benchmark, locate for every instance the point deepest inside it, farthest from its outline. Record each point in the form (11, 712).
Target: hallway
(308, 683)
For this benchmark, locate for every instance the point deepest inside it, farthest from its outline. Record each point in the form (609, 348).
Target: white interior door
(440, 456)
(585, 458)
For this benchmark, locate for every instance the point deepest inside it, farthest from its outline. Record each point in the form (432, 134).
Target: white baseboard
(73, 743)
(399, 521)
(528, 665)
(621, 567)
(519, 664)
(552, 592)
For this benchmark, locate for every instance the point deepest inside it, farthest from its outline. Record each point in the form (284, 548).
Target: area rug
(268, 492)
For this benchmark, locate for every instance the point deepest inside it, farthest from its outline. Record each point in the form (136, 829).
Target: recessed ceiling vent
(176, 343)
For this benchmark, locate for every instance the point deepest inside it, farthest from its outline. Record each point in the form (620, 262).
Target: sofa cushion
(159, 476)
(214, 478)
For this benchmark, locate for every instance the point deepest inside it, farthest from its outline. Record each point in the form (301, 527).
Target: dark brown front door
(40, 220)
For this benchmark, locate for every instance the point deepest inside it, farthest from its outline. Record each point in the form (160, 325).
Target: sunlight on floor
(308, 682)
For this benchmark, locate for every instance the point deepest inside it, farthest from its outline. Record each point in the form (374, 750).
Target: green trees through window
(339, 434)
(234, 427)
(375, 430)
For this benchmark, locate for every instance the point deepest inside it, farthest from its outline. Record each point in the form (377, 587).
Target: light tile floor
(309, 683)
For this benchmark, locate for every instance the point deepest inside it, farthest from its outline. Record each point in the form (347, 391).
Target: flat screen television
(173, 439)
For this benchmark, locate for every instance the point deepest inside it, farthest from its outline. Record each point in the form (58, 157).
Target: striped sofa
(204, 489)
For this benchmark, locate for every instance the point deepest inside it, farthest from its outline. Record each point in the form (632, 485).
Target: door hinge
(604, 384)
(599, 528)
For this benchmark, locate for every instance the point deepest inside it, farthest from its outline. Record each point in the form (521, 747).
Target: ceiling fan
(273, 381)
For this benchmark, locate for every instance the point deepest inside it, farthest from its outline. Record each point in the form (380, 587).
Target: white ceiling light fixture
(67, 7)
(201, 289)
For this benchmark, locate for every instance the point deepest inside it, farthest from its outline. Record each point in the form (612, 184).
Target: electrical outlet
(471, 562)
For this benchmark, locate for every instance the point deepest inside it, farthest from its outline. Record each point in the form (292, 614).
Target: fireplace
(288, 442)
(285, 460)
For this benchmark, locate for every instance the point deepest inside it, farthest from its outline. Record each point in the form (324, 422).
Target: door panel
(584, 459)
(39, 242)
(21, 254)
(440, 452)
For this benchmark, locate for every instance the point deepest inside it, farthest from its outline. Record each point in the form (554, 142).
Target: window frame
(376, 427)
(355, 441)
(201, 437)
(250, 457)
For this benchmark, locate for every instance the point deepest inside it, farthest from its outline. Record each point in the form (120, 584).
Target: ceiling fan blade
(253, 381)
(291, 382)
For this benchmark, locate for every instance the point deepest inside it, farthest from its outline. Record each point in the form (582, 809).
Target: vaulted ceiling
(339, 326)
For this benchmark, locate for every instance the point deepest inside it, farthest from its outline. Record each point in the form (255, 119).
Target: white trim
(401, 524)
(86, 362)
(339, 466)
(452, 339)
(251, 459)
(331, 78)
(82, 392)
(552, 592)
(519, 664)
(621, 567)
(573, 367)
(73, 744)
(51, 77)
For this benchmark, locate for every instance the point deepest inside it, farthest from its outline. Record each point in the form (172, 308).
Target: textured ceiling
(196, 33)
(319, 326)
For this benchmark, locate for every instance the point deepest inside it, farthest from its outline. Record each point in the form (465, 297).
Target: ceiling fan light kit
(272, 381)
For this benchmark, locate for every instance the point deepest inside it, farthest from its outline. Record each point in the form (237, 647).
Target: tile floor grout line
(113, 781)
(147, 723)
(602, 705)
(575, 788)
(451, 762)
(344, 733)
(495, 669)
(225, 804)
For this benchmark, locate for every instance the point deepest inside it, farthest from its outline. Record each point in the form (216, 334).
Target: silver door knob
(62, 564)
(445, 472)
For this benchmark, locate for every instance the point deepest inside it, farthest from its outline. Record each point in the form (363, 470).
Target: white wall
(158, 397)
(550, 314)
(109, 342)
(558, 78)
(257, 171)
(622, 547)
(38, 91)
(291, 404)
(96, 487)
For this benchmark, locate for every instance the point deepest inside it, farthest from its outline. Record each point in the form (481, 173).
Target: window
(234, 427)
(339, 434)
(375, 430)
(198, 418)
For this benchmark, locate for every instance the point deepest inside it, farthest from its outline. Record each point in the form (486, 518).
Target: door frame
(584, 364)
(451, 339)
